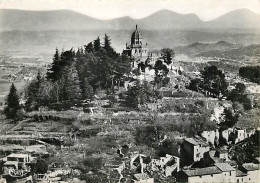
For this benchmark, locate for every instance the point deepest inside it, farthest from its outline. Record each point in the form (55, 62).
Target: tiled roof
(222, 150)
(231, 163)
(202, 171)
(225, 167)
(141, 176)
(240, 173)
(18, 155)
(11, 163)
(196, 141)
(250, 166)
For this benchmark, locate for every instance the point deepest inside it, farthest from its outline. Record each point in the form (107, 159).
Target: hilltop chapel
(138, 51)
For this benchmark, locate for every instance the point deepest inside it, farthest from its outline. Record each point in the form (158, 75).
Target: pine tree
(89, 47)
(97, 44)
(71, 87)
(54, 72)
(87, 90)
(12, 103)
(168, 54)
(107, 43)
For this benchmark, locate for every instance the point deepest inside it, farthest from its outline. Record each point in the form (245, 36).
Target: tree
(107, 43)
(54, 72)
(97, 44)
(87, 90)
(214, 82)
(12, 103)
(34, 93)
(151, 135)
(161, 72)
(71, 85)
(89, 47)
(250, 72)
(238, 95)
(168, 146)
(140, 94)
(40, 167)
(168, 54)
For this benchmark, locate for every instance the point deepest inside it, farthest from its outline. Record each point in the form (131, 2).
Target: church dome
(136, 34)
(136, 37)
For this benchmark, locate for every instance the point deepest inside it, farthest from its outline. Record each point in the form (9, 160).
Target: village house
(137, 161)
(195, 148)
(142, 178)
(212, 137)
(252, 173)
(220, 172)
(222, 153)
(242, 134)
(167, 165)
(16, 162)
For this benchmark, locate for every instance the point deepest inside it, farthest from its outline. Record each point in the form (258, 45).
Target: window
(230, 173)
(211, 175)
(249, 179)
(237, 180)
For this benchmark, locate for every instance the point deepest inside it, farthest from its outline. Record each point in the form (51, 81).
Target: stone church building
(138, 51)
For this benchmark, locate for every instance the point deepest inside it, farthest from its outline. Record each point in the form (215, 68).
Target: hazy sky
(107, 9)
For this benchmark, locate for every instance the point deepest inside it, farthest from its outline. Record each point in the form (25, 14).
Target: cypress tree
(54, 72)
(97, 44)
(12, 103)
(87, 90)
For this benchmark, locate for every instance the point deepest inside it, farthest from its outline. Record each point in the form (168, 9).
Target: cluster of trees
(75, 76)
(212, 82)
(161, 70)
(238, 94)
(140, 94)
(240, 102)
(250, 72)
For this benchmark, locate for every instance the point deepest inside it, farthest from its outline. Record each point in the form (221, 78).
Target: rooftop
(18, 155)
(202, 171)
(11, 163)
(240, 173)
(141, 176)
(225, 167)
(222, 150)
(250, 166)
(196, 141)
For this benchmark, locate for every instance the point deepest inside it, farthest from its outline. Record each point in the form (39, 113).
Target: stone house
(220, 172)
(142, 178)
(16, 162)
(251, 173)
(242, 134)
(211, 136)
(167, 165)
(195, 148)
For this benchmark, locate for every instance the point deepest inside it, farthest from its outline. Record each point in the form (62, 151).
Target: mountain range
(11, 19)
(220, 49)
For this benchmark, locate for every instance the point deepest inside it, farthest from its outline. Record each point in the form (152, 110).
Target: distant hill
(161, 20)
(238, 53)
(240, 19)
(199, 49)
